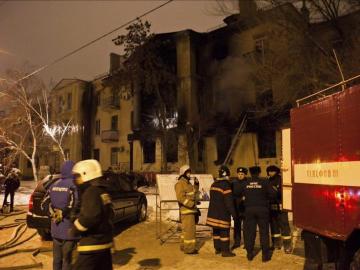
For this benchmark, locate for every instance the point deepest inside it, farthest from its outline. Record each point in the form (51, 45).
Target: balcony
(111, 103)
(108, 136)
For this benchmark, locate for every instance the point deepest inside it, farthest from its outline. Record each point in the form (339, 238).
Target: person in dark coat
(221, 208)
(11, 184)
(239, 205)
(95, 221)
(279, 221)
(257, 192)
(62, 204)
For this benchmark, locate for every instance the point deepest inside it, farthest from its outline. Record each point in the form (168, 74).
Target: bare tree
(26, 127)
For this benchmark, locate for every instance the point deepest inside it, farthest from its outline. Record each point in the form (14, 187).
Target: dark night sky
(41, 31)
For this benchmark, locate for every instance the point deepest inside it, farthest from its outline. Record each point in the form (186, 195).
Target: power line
(92, 42)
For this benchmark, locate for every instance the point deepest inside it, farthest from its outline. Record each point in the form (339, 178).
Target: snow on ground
(22, 195)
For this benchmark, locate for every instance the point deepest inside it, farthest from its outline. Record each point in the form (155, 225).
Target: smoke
(232, 85)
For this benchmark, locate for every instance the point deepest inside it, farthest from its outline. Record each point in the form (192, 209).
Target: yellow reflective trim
(286, 237)
(217, 224)
(190, 193)
(227, 191)
(218, 221)
(225, 239)
(189, 241)
(95, 247)
(216, 237)
(187, 211)
(276, 235)
(79, 226)
(217, 189)
(186, 201)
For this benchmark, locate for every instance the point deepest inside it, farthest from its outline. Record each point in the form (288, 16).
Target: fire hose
(14, 241)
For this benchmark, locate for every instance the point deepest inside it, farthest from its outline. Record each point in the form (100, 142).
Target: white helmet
(88, 169)
(183, 169)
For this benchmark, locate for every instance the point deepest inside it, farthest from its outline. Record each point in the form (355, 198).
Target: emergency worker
(94, 223)
(62, 203)
(11, 184)
(257, 192)
(221, 208)
(186, 195)
(279, 221)
(239, 205)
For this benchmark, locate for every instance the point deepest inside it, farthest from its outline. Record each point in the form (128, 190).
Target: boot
(227, 254)
(217, 251)
(195, 252)
(276, 243)
(266, 257)
(235, 246)
(250, 256)
(287, 246)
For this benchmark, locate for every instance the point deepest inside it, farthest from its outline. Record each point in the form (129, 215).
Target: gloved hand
(196, 181)
(57, 216)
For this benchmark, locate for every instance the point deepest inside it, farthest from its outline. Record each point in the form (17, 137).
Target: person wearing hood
(186, 195)
(62, 203)
(221, 209)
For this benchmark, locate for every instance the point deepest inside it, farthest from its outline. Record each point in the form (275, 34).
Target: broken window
(172, 147)
(149, 147)
(267, 143)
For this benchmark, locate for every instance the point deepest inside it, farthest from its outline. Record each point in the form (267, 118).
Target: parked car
(128, 203)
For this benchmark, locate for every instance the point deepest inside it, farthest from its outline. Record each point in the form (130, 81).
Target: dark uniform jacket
(221, 206)
(12, 182)
(276, 202)
(95, 220)
(257, 191)
(239, 199)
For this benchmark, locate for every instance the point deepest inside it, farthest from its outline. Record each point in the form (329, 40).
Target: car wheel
(142, 211)
(45, 234)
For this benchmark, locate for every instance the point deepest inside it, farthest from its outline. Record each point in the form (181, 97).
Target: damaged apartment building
(234, 88)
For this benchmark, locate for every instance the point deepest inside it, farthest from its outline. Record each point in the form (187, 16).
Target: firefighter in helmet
(94, 224)
(279, 222)
(221, 208)
(186, 195)
(239, 205)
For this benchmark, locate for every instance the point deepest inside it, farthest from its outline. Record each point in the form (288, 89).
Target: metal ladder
(236, 138)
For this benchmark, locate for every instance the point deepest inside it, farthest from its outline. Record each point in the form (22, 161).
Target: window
(97, 99)
(96, 154)
(267, 143)
(67, 154)
(265, 99)
(260, 46)
(60, 104)
(172, 147)
(201, 146)
(149, 147)
(69, 101)
(114, 122)
(97, 127)
(114, 156)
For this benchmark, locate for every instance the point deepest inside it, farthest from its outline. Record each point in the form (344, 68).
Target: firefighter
(186, 195)
(239, 205)
(279, 222)
(11, 184)
(257, 192)
(62, 203)
(94, 223)
(221, 208)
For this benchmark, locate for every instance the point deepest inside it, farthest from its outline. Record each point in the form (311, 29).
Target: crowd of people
(251, 202)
